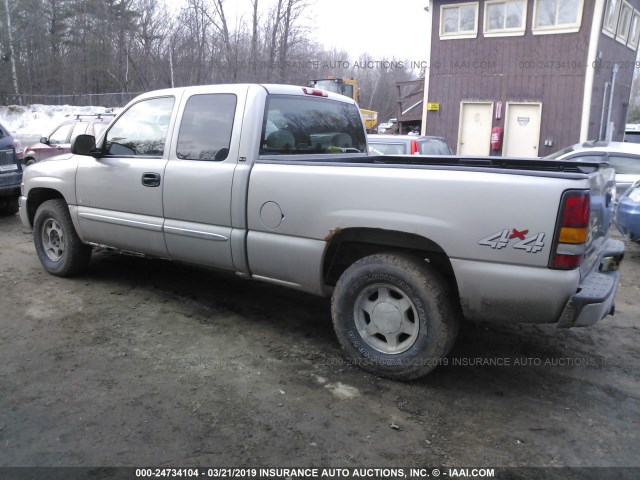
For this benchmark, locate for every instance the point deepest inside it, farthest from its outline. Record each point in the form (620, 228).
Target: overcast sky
(384, 28)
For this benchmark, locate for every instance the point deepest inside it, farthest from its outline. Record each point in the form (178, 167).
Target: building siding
(549, 69)
(612, 52)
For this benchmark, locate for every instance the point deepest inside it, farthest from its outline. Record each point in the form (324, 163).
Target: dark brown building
(549, 73)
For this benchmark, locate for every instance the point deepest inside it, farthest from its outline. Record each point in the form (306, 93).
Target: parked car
(59, 140)
(407, 145)
(623, 157)
(628, 213)
(632, 133)
(384, 126)
(10, 173)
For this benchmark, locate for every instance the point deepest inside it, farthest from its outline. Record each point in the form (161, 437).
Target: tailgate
(603, 192)
(8, 161)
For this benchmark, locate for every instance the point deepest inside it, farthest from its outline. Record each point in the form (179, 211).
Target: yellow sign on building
(433, 107)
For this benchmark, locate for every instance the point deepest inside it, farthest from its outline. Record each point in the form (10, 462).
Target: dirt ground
(149, 363)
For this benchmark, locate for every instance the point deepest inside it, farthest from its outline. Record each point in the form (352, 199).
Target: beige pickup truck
(274, 183)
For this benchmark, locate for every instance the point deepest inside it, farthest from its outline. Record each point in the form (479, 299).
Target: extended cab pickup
(274, 183)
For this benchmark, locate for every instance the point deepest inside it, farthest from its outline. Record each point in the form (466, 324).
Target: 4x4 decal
(499, 240)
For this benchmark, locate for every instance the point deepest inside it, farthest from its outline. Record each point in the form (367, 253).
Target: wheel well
(37, 197)
(350, 245)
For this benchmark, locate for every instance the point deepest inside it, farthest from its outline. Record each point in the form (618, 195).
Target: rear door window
(205, 131)
(79, 129)
(295, 125)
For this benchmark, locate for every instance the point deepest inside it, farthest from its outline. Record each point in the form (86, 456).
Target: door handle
(151, 179)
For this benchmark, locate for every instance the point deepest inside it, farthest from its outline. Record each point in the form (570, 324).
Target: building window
(505, 17)
(634, 31)
(459, 21)
(610, 23)
(557, 16)
(624, 23)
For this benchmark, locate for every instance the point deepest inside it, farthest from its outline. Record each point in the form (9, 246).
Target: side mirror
(85, 145)
(44, 140)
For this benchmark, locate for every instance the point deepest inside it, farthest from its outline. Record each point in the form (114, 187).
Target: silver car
(407, 145)
(622, 156)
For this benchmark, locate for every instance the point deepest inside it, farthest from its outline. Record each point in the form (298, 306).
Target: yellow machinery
(348, 88)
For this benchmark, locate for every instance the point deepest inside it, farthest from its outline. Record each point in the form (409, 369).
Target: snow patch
(342, 391)
(39, 120)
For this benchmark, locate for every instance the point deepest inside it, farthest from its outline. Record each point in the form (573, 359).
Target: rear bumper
(596, 292)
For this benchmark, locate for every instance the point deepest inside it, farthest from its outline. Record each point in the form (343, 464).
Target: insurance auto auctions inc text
(302, 473)
(409, 473)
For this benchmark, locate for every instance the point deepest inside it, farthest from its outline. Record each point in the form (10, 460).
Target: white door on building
(522, 129)
(475, 128)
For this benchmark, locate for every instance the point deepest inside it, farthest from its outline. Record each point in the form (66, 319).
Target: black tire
(57, 244)
(8, 206)
(29, 161)
(394, 315)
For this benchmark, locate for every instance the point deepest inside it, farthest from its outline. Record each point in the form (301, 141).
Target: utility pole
(613, 85)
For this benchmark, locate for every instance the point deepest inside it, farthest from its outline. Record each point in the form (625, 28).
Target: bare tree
(253, 59)
(97, 46)
(291, 29)
(12, 56)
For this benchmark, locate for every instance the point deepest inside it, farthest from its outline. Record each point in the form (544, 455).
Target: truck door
(198, 178)
(120, 194)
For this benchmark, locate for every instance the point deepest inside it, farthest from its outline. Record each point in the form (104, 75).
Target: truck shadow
(485, 358)
(216, 293)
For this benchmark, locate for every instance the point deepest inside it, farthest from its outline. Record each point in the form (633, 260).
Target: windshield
(347, 90)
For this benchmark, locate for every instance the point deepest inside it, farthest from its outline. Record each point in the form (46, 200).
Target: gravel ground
(147, 362)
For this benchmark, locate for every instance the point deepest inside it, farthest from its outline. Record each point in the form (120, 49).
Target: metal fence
(81, 100)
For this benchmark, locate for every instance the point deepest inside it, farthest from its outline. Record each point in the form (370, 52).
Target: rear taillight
(572, 233)
(414, 147)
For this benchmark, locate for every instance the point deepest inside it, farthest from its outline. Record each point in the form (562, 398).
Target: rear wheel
(394, 315)
(58, 246)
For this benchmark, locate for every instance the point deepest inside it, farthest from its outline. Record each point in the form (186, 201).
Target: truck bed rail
(493, 162)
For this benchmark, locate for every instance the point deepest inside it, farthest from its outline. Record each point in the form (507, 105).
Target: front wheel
(394, 315)
(58, 246)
